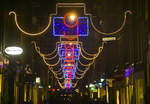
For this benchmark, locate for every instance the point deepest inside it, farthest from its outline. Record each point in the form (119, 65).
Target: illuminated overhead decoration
(65, 61)
(27, 33)
(59, 26)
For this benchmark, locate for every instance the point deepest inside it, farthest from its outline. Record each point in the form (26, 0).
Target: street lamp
(13, 50)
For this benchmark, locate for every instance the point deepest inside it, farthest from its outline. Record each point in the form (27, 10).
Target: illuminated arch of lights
(69, 68)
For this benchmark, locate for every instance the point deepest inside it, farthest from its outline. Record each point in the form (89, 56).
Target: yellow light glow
(70, 43)
(27, 33)
(69, 54)
(72, 17)
(94, 55)
(25, 93)
(69, 64)
(114, 32)
(117, 94)
(49, 86)
(99, 93)
(61, 85)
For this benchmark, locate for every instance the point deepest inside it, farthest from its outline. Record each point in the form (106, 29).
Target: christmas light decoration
(69, 53)
(27, 33)
(59, 27)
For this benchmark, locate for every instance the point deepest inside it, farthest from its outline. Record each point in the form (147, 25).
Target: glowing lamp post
(13, 50)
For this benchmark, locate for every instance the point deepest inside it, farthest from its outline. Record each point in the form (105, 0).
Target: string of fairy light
(82, 71)
(50, 58)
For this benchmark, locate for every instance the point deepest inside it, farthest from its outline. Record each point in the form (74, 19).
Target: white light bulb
(69, 54)
(72, 17)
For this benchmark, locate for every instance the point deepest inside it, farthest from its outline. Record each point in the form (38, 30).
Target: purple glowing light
(1, 64)
(129, 71)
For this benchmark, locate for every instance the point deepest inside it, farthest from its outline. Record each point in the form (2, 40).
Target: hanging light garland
(27, 33)
(69, 51)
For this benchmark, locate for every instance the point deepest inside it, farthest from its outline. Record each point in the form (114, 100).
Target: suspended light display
(80, 28)
(69, 50)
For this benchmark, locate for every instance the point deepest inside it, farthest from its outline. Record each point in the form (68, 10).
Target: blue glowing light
(69, 56)
(69, 52)
(62, 51)
(67, 85)
(59, 27)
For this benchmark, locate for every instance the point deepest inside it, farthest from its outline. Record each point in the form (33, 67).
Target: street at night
(75, 52)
